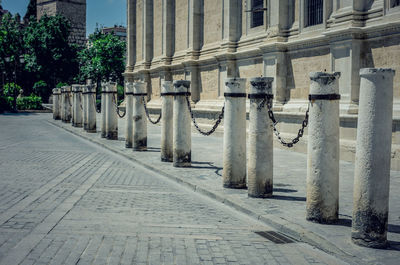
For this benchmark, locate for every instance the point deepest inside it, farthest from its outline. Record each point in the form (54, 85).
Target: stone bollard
(56, 103)
(234, 158)
(67, 104)
(103, 109)
(62, 104)
(129, 114)
(139, 126)
(323, 148)
(167, 110)
(373, 154)
(260, 165)
(77, 105)
(182, 139)
(85, 107)
(91, 108)
(111, 111)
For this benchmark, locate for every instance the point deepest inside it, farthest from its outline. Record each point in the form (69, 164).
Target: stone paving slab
(91, 206)
(285, 211)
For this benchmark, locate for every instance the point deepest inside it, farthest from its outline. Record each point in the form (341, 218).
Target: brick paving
(65, 200)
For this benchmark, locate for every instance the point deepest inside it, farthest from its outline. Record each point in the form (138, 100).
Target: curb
(282, 225)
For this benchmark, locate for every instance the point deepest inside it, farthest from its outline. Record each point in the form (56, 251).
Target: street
(64, 200)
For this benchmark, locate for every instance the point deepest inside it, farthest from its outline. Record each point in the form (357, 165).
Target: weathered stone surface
(372, 166)
(167, 122)
(323, 150)
(139, 127)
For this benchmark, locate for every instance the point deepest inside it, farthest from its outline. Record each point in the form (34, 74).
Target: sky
(105, 13)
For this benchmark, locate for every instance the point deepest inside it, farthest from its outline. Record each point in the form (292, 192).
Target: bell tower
(73, 10)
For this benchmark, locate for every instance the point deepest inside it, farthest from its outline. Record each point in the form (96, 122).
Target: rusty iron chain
(114, 101)
(271, 116)
(148, 114)
(205, 133)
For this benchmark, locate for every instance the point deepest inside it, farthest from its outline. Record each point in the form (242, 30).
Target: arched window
(257, 13)
(314, 12)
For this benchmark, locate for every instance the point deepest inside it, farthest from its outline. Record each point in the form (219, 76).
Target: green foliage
(61, 84)
(29, 103)
(11, 45)
(11, 89)
(31, 11)
(48, 53)
(103, 60)
(120, 91)
(40, 88)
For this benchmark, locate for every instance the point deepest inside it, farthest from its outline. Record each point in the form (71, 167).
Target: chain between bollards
(300, 133)
(205, 133)
(148, 114)
(117, 108)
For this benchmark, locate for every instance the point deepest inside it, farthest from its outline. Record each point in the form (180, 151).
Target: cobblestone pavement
(64, 200)
(284, 211)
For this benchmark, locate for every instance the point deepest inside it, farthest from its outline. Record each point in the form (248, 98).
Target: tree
(11, 47)
(30, 12)
(103, 60)
(48, 53)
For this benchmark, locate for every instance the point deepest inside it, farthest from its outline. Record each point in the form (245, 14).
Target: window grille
(315, 12)
(257, 14)
(395, 3)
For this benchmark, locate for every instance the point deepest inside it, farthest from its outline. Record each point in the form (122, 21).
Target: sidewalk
(285, 211)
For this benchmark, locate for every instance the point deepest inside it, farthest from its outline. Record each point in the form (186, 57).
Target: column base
(112, 136)
(269, 195)
(182, 164)
(365, 241)
(167, 159)
(128, 145)
(91, 130)
(231, 185)
(316, 216)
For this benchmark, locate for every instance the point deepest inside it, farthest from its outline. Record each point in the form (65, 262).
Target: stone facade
(206, 41)
(73, 10)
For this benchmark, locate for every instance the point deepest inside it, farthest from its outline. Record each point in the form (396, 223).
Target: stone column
(167, 109)
(103, 109)
(67, 104)
(85, 107)
(56, 103)
(234, 160)
(139, 117)
(260, 166)
(372, 166)
(323, 148)
(91, 108)
(129, 114)
(131, 36)
(111, 111)
(182, 140)
(77, 106)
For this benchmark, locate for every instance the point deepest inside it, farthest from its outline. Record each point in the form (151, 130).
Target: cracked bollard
(260, 164)
(77, 105)
(104, 91)
(323, 148)
(111, 111)
(182, 139)
(84, 107)
(373, 154)
(56, 104)
(91, 108)
(167, 110)
(234, 157)
(67, 104)
(139, 127)
(129, 114)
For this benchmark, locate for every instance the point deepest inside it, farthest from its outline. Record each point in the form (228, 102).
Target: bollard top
(129, 87)
(67, 89)
(167, 87)
(76, 88)
(139, 87)
(85, 89)
(91, 88)
(235, 85)
(377, 71)
(261, 85)
(184, 83)
(324, 83)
